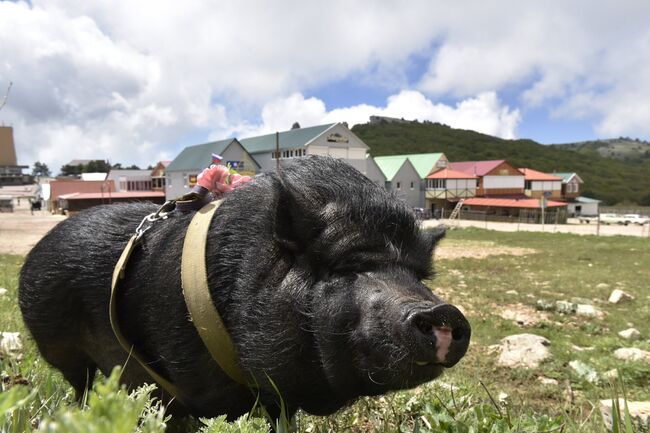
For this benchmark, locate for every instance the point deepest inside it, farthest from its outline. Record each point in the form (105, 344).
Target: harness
(196, 293)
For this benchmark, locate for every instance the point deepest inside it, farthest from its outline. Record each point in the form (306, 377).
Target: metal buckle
(161, 214)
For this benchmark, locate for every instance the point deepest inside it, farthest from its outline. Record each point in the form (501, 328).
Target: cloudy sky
(136, 81)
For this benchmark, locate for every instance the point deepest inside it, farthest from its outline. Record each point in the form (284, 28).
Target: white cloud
(484, 113)
(135, 81)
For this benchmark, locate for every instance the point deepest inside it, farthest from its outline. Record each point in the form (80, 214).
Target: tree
(97, 166)
(295, 125)
(71, 170)
(40, 169)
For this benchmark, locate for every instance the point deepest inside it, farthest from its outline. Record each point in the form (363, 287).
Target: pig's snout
(441, 333)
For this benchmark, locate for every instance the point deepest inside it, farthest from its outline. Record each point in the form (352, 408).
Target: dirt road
(572, 227)
(20, 231)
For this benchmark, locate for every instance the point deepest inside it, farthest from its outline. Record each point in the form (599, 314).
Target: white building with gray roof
(266, 152)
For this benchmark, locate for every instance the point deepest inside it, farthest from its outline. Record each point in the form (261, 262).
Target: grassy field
(512, 271)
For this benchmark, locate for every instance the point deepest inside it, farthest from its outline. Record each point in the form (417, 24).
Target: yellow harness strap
(118, 274)
(199, 303)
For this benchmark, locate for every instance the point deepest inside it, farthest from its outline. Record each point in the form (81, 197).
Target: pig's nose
(442, 335)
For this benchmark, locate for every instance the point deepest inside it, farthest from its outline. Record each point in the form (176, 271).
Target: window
(411, 185)
(398, 185)
(528, 184)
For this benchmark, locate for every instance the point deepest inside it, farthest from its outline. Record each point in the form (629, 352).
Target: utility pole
(277, 152)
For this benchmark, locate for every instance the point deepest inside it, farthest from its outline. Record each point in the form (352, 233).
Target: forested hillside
(611, 180)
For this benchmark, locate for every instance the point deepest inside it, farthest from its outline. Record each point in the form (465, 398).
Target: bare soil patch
(20, 231)
(477, 250)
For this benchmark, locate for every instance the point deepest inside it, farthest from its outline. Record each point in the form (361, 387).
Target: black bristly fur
(311, 271)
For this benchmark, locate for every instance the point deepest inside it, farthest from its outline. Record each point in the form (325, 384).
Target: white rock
(523, 350)
(588, 311)
(10, 345)
(602, 286)
(512, 292)
(611, 374)
(547, 380)
(584, 371)
(630, 334)
(632, 354)
(503, 397)
(619, 296)
(639, 411)
(3, 291)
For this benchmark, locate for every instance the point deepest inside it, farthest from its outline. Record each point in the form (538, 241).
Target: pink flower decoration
(219, 181)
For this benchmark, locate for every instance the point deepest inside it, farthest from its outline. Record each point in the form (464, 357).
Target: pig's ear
(296, 223)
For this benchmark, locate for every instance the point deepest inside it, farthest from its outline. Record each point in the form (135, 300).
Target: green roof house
(402, 178)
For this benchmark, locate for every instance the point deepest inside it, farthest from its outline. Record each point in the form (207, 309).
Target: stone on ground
(630, 334)
(11, 346)
(547, 380)
(618, 296)
(523, 350)
(584, 371)
(632, 354)
(639, 411)
(3, 291)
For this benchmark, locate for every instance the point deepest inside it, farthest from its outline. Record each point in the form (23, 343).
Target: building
(423, 163)
(505, 193)
(583, 206)
(266, 152)
(10, 172)
(61, 187)
(446, 187)
(570, 185)
(158, 176)
(495, 178)
(538, 184)
(131, 180)
(181, 174)
(401, 178)
(78, 201)
(334, 139)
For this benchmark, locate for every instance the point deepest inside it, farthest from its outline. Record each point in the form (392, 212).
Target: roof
(287, 139)
(479, 168)
(423, 163)
(447, 173)
(529, 203)
(198, 157)
(587, 200)
(115, 174)
(106, 195)
(566, 177)
(390, 166)
(61, 187)
(531, 174)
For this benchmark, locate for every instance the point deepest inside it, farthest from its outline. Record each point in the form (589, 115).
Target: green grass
(562, 267)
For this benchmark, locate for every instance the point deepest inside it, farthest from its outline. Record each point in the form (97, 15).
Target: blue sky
(99, 80)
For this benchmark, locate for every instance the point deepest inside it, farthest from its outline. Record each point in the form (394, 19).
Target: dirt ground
(573, 226)
(20, 231)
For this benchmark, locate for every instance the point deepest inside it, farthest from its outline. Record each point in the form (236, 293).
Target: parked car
(612, 218)
(635, 218)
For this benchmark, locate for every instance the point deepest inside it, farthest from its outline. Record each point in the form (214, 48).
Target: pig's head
(375, 325)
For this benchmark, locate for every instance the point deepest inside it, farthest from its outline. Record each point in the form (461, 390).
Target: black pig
(316, 273)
